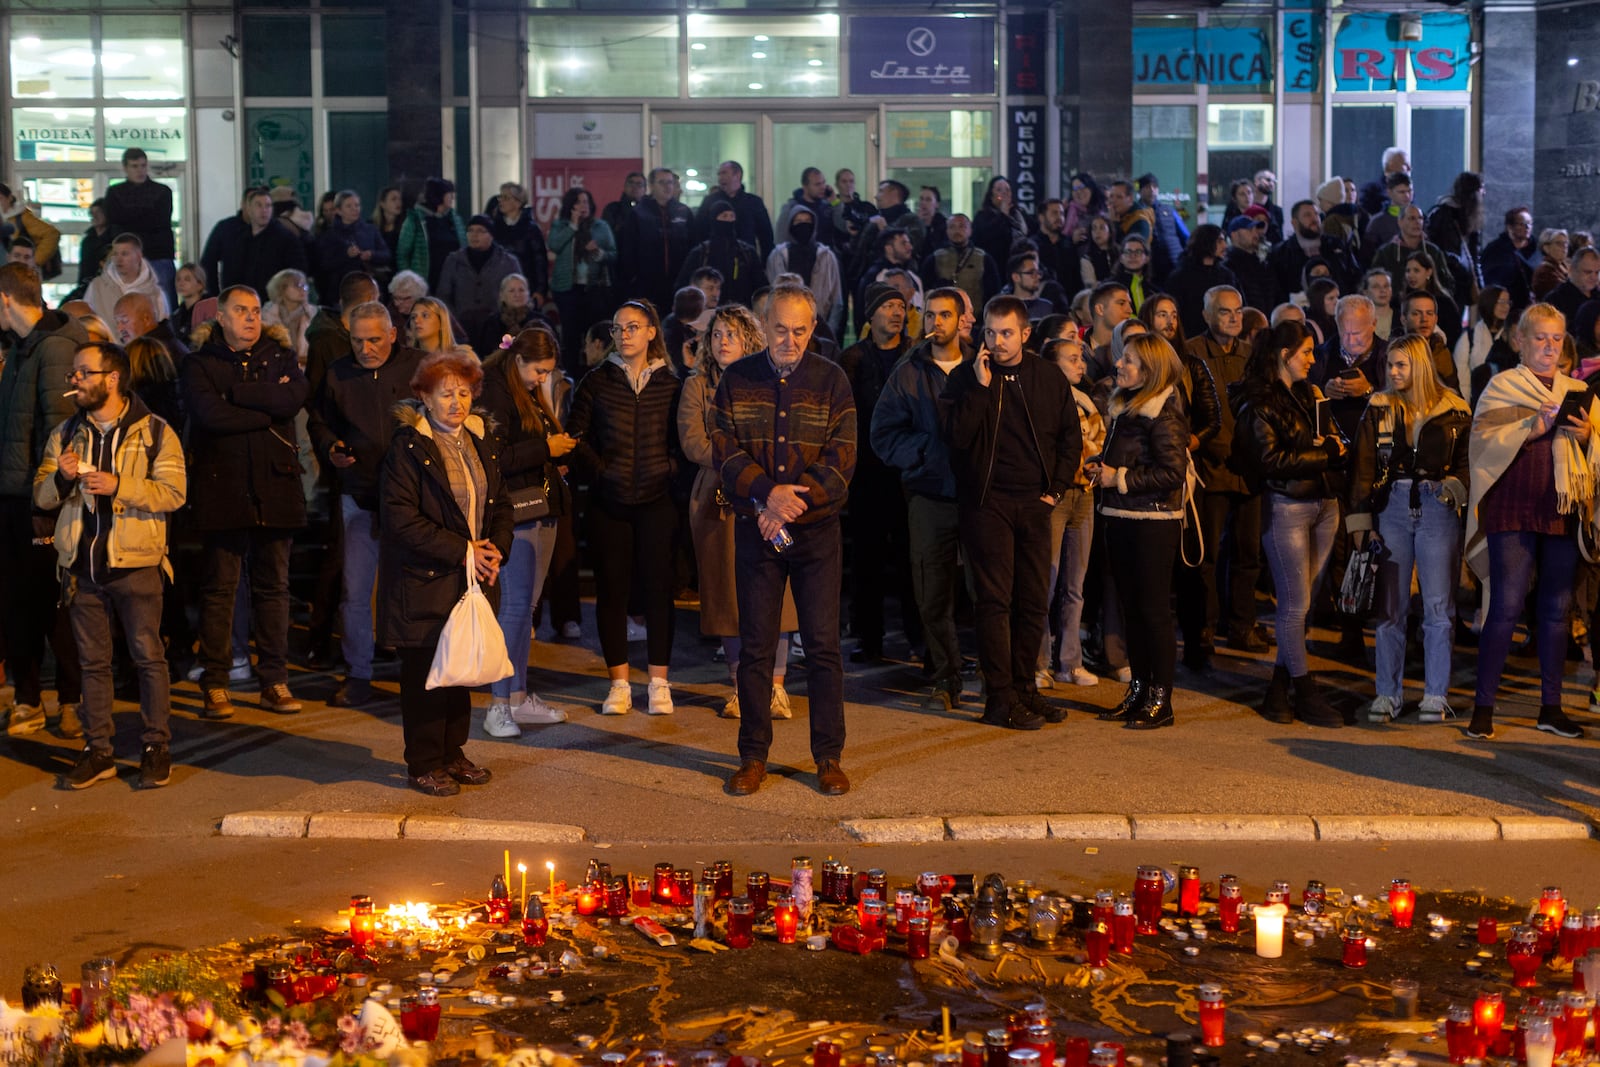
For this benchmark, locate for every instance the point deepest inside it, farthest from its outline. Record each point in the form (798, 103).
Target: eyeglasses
(1134, 252)
(1027, 274)
(618, 330)
(73, 375)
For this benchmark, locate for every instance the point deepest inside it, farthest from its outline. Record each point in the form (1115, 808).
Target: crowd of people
(1091, 423)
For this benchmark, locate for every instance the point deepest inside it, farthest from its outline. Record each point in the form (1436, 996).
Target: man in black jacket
(655, 240)
(351, 422)
(1508, 259)
(751, 222)
(1307, 240)
(1257, 284)
(1581, 286)
(143, 206)
(1015, 445)
(517, 232)
(252, 246)
(243, 390)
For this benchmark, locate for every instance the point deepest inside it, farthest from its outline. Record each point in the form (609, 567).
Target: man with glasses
(351, 422)
(1508, 259)
(1015, 446)
(31, 402)
(243, 390)
(115, 472)
(655, 241)
(1028, 284)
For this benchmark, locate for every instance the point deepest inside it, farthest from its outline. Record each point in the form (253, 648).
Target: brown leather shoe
(831, 780)
(747, 779)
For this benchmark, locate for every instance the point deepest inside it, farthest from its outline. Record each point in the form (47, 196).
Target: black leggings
(631, 545)
(1141, 553)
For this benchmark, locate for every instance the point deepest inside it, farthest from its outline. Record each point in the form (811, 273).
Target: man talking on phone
(1015, 446)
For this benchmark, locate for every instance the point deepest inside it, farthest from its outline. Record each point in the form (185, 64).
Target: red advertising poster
(553, 177)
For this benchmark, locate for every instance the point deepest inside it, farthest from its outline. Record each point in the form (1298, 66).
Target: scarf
(1507, 414)
(1093, 427)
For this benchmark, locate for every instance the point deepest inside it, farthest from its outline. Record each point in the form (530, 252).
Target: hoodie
(109, 287)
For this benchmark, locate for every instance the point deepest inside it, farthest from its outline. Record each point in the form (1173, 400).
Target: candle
(1269, 930)
(588, 900)
(1355, 946)
(1229, 896)
(1553, 903)
(1488, 1015)
(1149, 887)
(1538, 1041)
(535, 924)
(1188, 892)
(550, 868)
(1522, 953)
(522, 869)
(1586, 972)
(918, 935)
(786, 918)
(1402, 903)
(1488, 930)
(1213, 1013)
(508, 867)
(362, 922)
(741, 922)
(1097, 944)
(1405, 992)
(1459, 1033)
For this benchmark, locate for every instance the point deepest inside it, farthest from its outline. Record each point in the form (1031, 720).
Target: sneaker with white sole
(94, 765)
(1435, 709)
(1043, 680)
(535, 712)
(1079, 675)
(25, 719)
(636, 632)
(780, 702)
(730, 708)
(619, 701)
(660, 697)
(497, 721)
(1382, 709)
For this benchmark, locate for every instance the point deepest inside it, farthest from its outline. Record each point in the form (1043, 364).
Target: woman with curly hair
(732, 334)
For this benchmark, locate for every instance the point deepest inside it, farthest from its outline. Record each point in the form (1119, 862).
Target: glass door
(61, 194)
(844, 141)
(695, 148)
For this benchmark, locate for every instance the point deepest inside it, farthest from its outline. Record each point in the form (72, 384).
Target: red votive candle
(1213, 1014)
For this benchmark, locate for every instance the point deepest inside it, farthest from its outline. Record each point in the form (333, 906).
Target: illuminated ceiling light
(573, 63)
(691, 173)
(1572, 61)
(116, 60)
(698, 46)
(762, 37)
(758, 55)
(28, 42)
(73, 57)
(757, 85)
(813, 62)
(154, 50)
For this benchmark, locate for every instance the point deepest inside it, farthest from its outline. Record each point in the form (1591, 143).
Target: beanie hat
(481, 220)
(879, 294)
(1330, 193)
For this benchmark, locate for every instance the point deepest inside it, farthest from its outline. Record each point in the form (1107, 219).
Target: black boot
(1131, 702)
(1155, 712)
(1482, 726)
(1276, 707)
(1310, 706)
(1035, 702)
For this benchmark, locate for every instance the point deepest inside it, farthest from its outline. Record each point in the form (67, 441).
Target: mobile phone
(1350, 374)
(1576, 403)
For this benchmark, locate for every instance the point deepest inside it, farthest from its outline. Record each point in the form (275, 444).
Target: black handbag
(530, 503)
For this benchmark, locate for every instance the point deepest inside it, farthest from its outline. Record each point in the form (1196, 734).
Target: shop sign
(1369, 54)
(1237, 56)
(919, 56)
(1026, 33)
(596, 150)
(280, 150)
(1025, 156)
(1302, 51)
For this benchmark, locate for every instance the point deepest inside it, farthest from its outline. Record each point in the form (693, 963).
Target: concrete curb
(920, 831)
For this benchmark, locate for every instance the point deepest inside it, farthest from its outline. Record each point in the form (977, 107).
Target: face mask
(802, 232)
(725, 230)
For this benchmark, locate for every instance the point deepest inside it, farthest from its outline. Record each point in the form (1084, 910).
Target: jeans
(1232, 525)
(934, 529)
(1142, 552)
(135, 598)
(1071, 532)
(1429, 540)
(1007, 543)
(225, 553)
(1513, 557)
(360, 575)
(29, 593)
(813, 566)
(1298, 538)
(521, 578)
(632, 544)
(434, 722)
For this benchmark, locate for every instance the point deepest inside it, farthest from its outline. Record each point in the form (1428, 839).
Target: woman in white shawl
(1532, 480)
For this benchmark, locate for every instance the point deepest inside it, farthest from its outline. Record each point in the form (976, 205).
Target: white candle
(1269, 930)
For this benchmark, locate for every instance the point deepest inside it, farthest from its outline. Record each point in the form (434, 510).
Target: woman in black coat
(441, 509)
(999, 225)
(1141, 475)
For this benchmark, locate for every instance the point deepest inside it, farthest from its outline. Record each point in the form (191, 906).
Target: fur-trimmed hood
(203, 332)
(1148, 407)
(413, 415)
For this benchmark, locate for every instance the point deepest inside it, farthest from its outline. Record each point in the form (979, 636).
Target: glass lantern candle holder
(758, 887)
(1044, 919)
(617, 898)
(786, 919)
(683, 888)
(1402, 903)
(1123, 926)
(1538, 1042)
(1569, 942)
(1524, 957)
(874, 918)
(1149, 887)
(663, 884)
(1188, 891)
(1230, 897)
(918, 938)
(1354, 939)
(1104, 901)
(590, 899)
(535, 924)
(844, 882)
(363, 923)
(1269, 930)
(1213, 1014)
(1097, 945)
(1553, 902)
(1488, 930)
(1488, 1018)
(741, 922)
(826, 1053)
(1459, 1034)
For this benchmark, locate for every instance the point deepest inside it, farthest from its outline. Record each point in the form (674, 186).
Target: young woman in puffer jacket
(1141, 474)
(1277, 448)
(1408, 484)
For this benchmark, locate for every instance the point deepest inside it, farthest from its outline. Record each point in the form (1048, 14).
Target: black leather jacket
(1274, 434)
(1148, 446)
(1440, 456)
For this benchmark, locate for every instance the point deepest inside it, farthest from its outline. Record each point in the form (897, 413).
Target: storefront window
(158, 130)
(960, 188)
(1238, 144)
(602, 57)
(52, 57)
(354, 56)
(277, 55)
(278, 149)
(1360, 134)
(763, 57)
(1164, 145)
(1438, 151)
(940, 134)
(52, 134)
(695, 149)
(142, 57)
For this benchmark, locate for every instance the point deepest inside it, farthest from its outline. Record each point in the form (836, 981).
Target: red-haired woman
(440, 508)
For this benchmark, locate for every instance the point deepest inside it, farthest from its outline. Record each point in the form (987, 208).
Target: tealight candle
(1269, 930)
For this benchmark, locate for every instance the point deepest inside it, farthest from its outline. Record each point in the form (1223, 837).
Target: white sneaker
(1043, 680)
(1382, 709)
(660, 697)
(535, 712)
(730, 710)
(619, 701)
(636, 632)
(571, 631)
(780, 702)
(1125, 674)
(1435, 709)
(497, 721)
(1079, 675)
